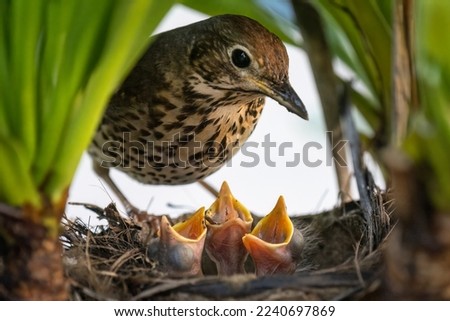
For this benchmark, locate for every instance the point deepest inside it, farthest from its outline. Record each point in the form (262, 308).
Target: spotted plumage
(192, 100)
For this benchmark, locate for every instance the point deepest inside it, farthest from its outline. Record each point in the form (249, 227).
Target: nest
(341, 260)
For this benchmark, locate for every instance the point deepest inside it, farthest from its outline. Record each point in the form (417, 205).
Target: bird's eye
(240, 58)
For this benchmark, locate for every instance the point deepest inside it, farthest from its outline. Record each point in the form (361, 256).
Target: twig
(359, 167)
(100, 211)
(163, 287)
(357, 265)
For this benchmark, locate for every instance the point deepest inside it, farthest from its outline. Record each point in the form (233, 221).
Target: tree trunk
(419, 269)
(31, 254)
(417, 254)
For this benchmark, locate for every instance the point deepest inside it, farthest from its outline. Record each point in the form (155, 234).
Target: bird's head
(237, 54)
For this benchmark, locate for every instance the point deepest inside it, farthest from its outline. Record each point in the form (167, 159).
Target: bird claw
(152, 221)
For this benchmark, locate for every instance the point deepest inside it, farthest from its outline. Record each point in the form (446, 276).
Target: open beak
(227, 222)
(286, 96)
(179, 247)
(274, 244)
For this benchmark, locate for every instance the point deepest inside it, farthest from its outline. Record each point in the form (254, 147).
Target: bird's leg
(209, 188)
(132, 211)
(103, 172)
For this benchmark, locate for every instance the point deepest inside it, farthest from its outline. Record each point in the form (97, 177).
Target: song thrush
(191, 102)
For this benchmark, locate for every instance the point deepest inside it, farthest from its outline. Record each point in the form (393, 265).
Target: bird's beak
(274, 244)
(179, 248)
(227, 221)
(286, 96)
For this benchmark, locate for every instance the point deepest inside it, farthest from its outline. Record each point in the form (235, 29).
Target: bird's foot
(143, 217)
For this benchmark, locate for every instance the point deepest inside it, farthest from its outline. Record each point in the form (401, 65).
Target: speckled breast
(156, 145)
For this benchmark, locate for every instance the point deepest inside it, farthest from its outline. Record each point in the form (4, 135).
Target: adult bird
(191, 101)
